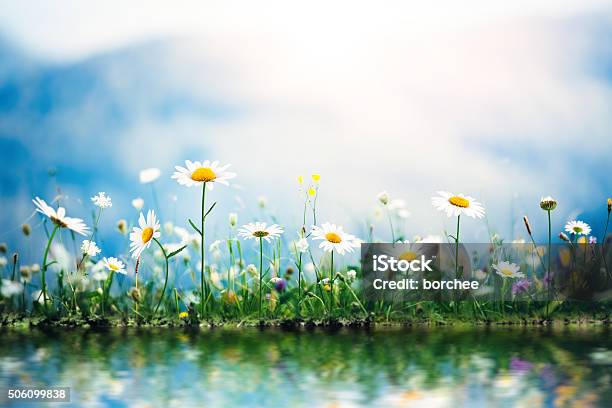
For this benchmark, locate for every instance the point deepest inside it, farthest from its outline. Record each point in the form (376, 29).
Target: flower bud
(122, 226)
(135, 295)
(548, 203)
(233, 219)
(383, 197)
(25, 228)
(563, 237)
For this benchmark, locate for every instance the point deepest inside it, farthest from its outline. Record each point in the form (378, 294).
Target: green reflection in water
(248, 367)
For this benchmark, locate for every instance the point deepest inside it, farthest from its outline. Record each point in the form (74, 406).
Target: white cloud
(405, 97)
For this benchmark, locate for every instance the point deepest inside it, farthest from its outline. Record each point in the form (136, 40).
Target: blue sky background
(506, 103)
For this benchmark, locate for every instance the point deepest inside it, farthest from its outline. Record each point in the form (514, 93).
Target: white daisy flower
(102, 200)
(59, 217)
(99, 276)
(142, 235)
(397, 204)
(430, 239)
(260, 230)
(403, 213)
(188, 238)
(10, 288)
(351, 274)
(114, 265)
(196, 173)
(251, 269)
(578, 228)
(138, 203)
(301, 245)
(508, 270)
(334, 238)
(455, 205)
(215, 246)
(383, 197)
(90, 248)
(147, 176)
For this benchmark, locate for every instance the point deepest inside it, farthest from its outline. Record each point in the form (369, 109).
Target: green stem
(457, 262)
(107, 287)
(391, 226)
(44, 267)
(202, 278)
(260, 274)
(603, 248)
(165, 280)
(299, 305)
(457, 248)
(331, 285)
(550, 281)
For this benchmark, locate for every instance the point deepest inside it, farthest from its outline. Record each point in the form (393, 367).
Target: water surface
(247, 367)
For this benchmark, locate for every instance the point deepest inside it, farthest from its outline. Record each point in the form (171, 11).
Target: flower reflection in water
(382, 367)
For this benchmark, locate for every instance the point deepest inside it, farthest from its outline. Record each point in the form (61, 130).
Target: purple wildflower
(548, 278)
(520, 365)
(520, 286)
(280, 285)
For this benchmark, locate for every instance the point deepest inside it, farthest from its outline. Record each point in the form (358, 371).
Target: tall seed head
(527, 225)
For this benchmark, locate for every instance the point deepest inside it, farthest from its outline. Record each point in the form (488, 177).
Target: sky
(505, 102)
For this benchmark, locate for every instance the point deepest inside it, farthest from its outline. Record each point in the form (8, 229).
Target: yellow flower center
(577, 230)
(147, 234)
(204, 174)
(260, 234)
(459, 202)
(408, 256)
(507, 271)
(113, 267)
(333, 238)
(59, 222)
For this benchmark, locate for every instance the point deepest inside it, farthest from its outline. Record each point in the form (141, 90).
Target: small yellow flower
(183, 315)
(312, 192)
(316, 177)
(300, 180)
(327, 287)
